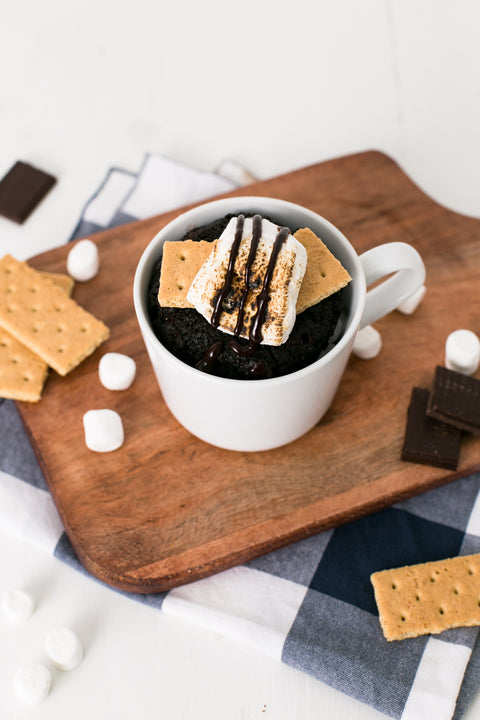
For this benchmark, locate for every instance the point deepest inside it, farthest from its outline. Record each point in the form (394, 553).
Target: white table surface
(276, 86)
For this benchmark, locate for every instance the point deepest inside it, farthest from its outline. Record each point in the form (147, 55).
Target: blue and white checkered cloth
(311, 604)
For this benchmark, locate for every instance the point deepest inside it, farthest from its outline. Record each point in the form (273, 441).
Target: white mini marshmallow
(462, 352)
(408, 306)
(83, 262)
(116, 371)
(368, 343)
(64, 648)
(32, 683)
(103, 430)
(231, 170)
(17, 605)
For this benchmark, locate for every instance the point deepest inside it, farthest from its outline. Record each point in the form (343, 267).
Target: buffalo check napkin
(311, 604)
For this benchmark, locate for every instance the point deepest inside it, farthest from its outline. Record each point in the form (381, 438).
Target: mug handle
(409, 274)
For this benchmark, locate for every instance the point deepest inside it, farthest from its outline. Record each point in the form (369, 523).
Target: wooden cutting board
(167, 508)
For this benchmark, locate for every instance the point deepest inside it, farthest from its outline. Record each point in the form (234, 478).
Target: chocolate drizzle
(225, 289)
(255, 335)
(209, 357)
(256, 235)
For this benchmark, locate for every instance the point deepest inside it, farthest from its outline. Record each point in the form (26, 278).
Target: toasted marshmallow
(287, 276)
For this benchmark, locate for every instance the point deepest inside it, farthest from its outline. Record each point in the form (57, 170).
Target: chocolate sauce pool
(199, 343)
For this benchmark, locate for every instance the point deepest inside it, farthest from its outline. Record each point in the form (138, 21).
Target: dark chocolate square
(455, 399)
(21, 190)
(427, 440)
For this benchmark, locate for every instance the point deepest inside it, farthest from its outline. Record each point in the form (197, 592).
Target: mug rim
(149, 256)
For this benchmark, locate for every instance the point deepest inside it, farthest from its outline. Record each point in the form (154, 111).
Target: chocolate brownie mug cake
(249, 307)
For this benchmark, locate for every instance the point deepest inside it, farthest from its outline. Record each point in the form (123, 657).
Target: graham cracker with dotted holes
(324, 275)
(43, 318)
(428, 598)
(22, 373)
(181, 261)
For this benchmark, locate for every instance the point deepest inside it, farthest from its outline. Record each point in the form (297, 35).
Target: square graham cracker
(324, 275)
(181, 261)
(43, 318)
(22, 373)
(429, 597)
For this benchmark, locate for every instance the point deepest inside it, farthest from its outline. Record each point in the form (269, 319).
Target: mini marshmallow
(116, 371)
(408, 306)
(462, 352)
(103, 430)
(64, 648)
(367, 343)
(83, 261)
(231, 170)
(32, 683)
(17, 605)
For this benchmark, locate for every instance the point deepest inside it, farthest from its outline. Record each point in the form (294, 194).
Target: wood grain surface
(167, 508)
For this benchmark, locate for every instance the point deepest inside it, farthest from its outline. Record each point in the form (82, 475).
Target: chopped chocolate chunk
(455, 399)
(427, 440)
(21, 190)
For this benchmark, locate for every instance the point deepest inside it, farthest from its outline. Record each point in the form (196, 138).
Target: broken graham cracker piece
(181, 261)
(22, 373)
(39, 315)
(429, 597)
(324, 275)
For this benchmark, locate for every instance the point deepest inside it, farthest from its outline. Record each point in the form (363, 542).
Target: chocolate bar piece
(21, 190)
(455, 399)
(427, 440)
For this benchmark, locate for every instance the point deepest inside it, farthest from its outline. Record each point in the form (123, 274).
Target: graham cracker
(44, 319)
(324, 274)
(65, 282)
(428, 598)
(181, 261)
(22, 373)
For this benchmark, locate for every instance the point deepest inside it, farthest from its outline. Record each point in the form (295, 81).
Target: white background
(275, 85)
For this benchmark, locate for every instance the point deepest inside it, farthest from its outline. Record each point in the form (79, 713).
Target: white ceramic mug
(252, 415)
